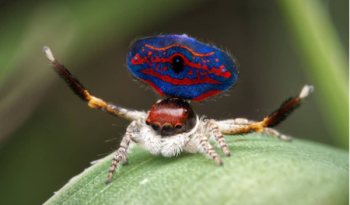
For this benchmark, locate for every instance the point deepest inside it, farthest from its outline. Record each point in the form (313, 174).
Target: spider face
(171, 116)
(183, 68)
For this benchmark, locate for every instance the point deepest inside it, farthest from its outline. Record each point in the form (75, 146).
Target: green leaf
(261, 170)
(325, 59)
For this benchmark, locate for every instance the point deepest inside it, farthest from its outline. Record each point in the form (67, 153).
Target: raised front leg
(93, 102)
(227, 125)
(236, 127)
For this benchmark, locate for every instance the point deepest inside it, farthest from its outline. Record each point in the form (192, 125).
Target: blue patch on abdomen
(180, 66)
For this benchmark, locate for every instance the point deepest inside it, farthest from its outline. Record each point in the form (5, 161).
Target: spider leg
(277, 135)
(93, 102)
(227, 125)
(243, 126)
(208, 149)
(226, 128)
(214, 130)
(122, 153)
(126, 162)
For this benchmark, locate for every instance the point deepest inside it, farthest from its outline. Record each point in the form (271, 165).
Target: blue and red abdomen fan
(180, 66)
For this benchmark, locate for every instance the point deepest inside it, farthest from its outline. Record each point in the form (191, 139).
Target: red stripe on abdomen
(206, 95)
(153, 86)
(175, 81)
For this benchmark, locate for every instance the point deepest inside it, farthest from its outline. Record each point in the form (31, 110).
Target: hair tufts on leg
(284, 113)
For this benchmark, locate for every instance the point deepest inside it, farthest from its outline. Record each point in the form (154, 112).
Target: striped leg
(277, 135)
(208, 149)
(122, 153)
(227, 125)
(126, 162)
(214, 130)
(274, 119)
(93, 102)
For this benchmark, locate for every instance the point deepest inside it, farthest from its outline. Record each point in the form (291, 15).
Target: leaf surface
(261, 170)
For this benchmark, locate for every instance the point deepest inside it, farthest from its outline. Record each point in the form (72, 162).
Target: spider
(181, 69)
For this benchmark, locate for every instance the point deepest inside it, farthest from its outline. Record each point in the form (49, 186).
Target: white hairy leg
(226, 126)
(122, 153)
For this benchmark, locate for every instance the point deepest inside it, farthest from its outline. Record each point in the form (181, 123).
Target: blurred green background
(48, 135)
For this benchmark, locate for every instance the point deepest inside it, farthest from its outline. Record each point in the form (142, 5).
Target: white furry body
(145, 137)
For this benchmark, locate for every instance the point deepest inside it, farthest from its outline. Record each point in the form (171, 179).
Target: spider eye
(177, 64)
(178, 126)
(156, 127)
(148, 123)
(167, 128)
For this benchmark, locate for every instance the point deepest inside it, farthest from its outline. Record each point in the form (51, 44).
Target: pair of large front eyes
(165, 128)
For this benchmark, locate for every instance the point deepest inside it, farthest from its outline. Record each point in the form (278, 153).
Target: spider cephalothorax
(171, 116)
(181, 69)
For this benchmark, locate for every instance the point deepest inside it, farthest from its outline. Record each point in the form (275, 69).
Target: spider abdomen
(171, 116)
(182, 67)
